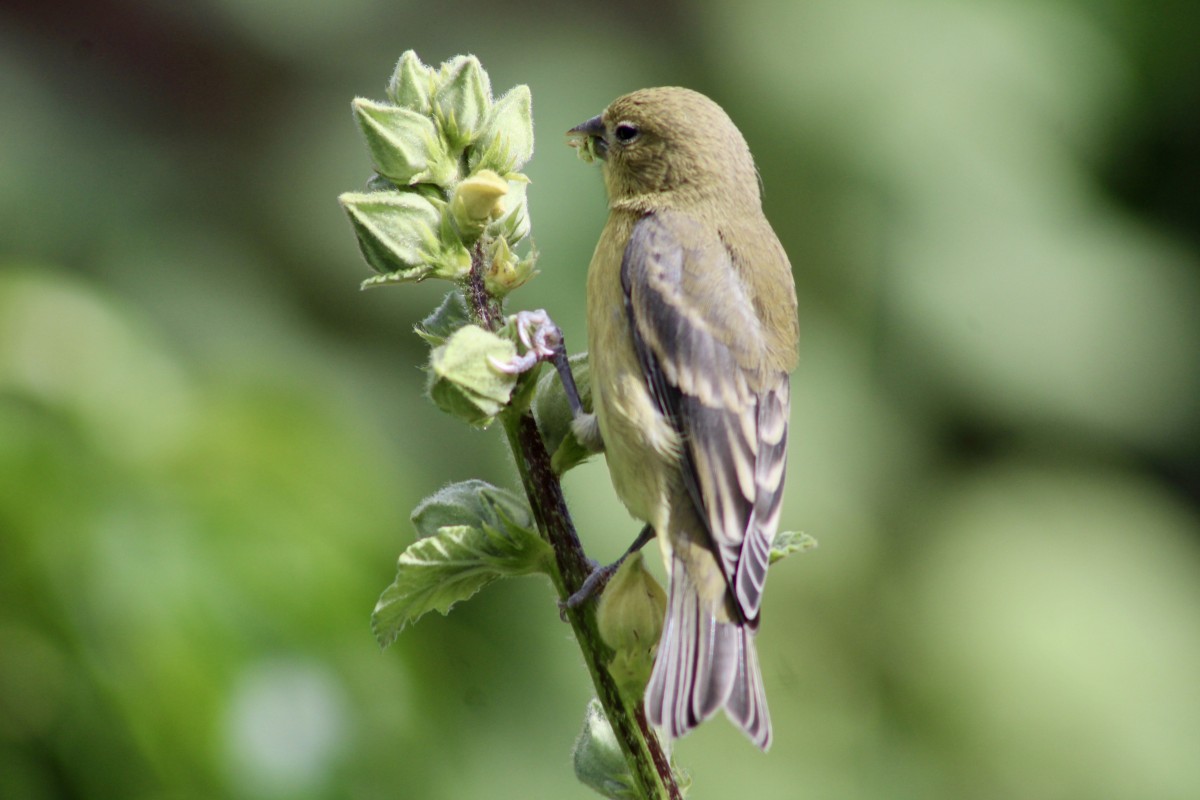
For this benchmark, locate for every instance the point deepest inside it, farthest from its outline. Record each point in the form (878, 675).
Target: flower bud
(506, 272)
(478, 200)
(395, 231)
(462, 379)
(599, 762)
(630, 620)
(462, 100)
(506, 141)
(514, 224)
(405, 146)
(412, 84)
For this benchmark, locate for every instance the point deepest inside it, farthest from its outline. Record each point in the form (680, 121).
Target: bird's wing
(702, 350)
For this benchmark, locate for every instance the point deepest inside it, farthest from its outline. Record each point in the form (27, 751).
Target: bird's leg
(544, 342)
(596, 581)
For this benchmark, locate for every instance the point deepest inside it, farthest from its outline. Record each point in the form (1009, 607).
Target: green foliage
(421, 214)
(444, 320)
(599, 762)
(205, 441)
(471, 533)
(788, 542)
(463, 380)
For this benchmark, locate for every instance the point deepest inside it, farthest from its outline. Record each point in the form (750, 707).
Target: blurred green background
(210, 440)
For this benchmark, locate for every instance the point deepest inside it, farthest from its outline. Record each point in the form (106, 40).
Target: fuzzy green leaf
(788, 542)
(445, 319)
(472, 534)
(475, 503)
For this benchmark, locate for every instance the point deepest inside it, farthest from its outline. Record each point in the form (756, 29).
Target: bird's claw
(542, 338)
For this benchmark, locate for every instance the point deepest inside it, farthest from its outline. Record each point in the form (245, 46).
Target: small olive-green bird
(692, 332)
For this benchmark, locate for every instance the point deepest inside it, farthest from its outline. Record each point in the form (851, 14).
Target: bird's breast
(641, 446)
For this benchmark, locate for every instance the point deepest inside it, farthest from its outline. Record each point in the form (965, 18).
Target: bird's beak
(589, 138)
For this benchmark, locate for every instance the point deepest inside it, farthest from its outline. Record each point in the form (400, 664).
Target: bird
(692, 336)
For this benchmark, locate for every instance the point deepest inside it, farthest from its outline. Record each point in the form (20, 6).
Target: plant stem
(647, 761)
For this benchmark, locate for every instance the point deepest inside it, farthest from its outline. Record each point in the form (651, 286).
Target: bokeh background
(210, 439)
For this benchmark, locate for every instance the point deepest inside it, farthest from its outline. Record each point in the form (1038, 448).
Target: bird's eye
(626, 132)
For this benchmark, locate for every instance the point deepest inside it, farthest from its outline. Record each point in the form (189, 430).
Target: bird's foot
(593, 585)
(543, 341)
(598, 578)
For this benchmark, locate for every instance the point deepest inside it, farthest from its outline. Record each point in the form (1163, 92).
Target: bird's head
(668, 147)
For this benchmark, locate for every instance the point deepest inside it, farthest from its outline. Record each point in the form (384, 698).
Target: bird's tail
(704, 664)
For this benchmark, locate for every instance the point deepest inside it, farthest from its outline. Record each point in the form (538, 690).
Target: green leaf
(472, 534)
(788, 542)
(599, 762)
(404, 144)
(462, 379)
(445, 319)
(475, 503)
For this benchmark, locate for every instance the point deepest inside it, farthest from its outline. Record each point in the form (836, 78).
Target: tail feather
(747, 703)
(704, 665)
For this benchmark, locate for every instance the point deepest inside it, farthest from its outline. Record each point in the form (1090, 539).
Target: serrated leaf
(438, 571)
(788, 542)
(473, 502)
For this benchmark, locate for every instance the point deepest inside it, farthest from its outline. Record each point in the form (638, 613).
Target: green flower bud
(506, 272)
(599, 761)
(514, 224)
(462, 379)
(412, 83)
(555, 419)
(404, 144)
(506, 141)
(477, 201)
(395, 231)
(630, 620)
(462, 100)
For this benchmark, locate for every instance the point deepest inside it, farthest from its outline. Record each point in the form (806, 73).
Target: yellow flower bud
(481, 196)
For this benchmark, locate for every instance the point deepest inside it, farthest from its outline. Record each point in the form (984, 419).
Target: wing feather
(701, 348)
